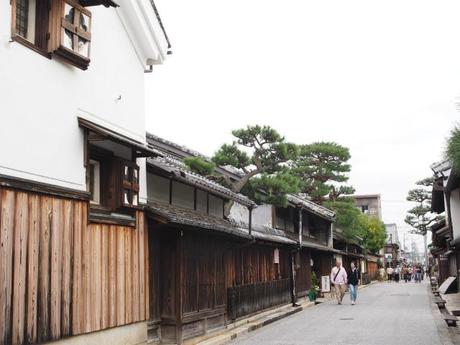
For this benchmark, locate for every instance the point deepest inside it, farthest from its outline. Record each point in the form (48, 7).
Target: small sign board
(388, 257)
(276, 256)
(325, 284)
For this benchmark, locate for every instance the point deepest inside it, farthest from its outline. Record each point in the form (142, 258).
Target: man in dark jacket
(354, 279)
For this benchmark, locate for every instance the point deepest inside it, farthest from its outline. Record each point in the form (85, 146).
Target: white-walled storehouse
(74, 240)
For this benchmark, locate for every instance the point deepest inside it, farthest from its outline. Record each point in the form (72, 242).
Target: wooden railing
(247, 299)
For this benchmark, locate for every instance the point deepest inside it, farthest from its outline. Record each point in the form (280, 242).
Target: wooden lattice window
(74, 34)
(30, 19)
(55, 27)
(130, 184)
(22, 17)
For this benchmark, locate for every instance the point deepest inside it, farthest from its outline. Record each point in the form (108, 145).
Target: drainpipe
(300, 228)
(331, 236)
(250, 220)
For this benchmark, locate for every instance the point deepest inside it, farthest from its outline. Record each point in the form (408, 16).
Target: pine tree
(420, 217)
(261, 156)
(323, 169)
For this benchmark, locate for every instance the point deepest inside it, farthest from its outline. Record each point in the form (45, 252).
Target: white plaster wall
(262, 215)
(239, 213)
(455, 212)
(40, 100)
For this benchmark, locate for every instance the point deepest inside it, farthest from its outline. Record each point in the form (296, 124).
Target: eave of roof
(157, 14)
(171, 148)
(311, 206)
(185, 217)
(317, 246)
(440, 167)
(438, 225)
(366, 196)
(264, 236)
(271, 234)
(142, 149)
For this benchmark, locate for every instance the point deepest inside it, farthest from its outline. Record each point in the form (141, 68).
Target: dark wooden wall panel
(69, 277)
(303, 274)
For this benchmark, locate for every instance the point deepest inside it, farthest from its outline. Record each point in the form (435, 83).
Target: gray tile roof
(311, 206)
(266, 233)
(177, 215)
(172, 148)
(187, 217)
(157, 14)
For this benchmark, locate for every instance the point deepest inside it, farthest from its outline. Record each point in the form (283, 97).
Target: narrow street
(386, 313)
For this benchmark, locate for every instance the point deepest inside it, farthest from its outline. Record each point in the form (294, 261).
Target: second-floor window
(30, 23)
(113, 182)
(164, 190)
(54, 27)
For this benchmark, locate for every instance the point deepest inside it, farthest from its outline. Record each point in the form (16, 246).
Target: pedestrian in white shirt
(339, 281)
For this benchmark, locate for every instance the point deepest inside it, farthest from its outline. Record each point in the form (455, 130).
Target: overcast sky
(380, 77)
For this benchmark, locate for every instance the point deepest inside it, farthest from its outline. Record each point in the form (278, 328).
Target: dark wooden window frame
(129, 183)
(71, 55)
(41, 29)
(110, 172)
(163, 174)
(49, 27)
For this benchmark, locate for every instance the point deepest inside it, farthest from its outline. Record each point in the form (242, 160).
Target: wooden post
(179, 282)
(292, 281)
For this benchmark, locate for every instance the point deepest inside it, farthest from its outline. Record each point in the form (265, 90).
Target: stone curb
(248, 327)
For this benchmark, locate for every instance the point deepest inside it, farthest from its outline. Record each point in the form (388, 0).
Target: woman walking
(354, 279)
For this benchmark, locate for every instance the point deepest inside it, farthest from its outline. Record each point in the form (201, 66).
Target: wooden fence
(247, 299)
(60, 276)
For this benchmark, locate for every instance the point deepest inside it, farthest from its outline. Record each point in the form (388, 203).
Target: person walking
(406, 274)
(390, 273)
(418, 274)
(339, 281)
(397, 274)
(411, 273)
(354, 279)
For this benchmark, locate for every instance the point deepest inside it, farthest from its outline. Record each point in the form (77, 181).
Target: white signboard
(276, 256)
(388, 257)
(325, 284)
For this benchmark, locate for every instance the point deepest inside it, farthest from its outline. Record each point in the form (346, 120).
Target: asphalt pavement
(385, 314)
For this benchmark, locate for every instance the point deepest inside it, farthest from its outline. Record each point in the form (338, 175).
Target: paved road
(386, 314)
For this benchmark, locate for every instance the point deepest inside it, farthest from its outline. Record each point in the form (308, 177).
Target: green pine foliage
(323, 169)
(453, 148)
(420, 217)
(200, 165)
(272, 189)
(261, 155)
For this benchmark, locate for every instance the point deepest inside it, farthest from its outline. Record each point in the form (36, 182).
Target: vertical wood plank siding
(60, 276)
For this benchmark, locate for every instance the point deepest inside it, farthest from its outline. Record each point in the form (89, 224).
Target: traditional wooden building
(205, 270)
(351, 250)
(373, 264)
(255, 259)
(315, 241)
(73, 232)
(440, 249)
(446, 234)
